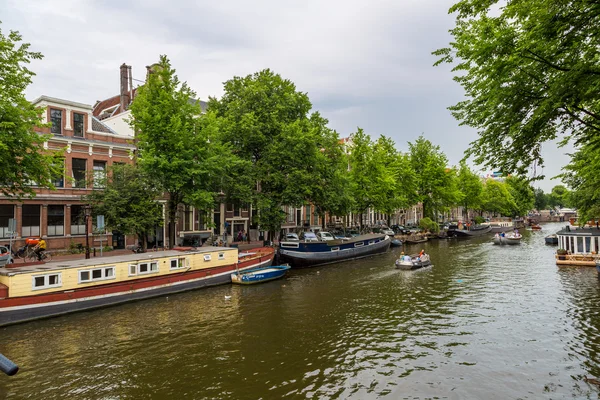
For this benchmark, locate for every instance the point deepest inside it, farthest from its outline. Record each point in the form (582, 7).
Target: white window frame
(102, 278)
(179, 266)
(148, 272)
(359, 244)
(207, 257)
(46, 280)
(337, 248)
(371, 242)
(221, 256)
(289, 245)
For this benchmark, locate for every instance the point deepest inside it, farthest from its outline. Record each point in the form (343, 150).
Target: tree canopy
(23, 160)
(530, 73)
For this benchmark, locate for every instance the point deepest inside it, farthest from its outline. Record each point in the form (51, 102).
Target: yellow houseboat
(39, 291)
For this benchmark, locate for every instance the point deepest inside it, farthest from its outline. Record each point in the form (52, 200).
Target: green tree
(364, 172)
(496, 198)
(267, 123)
(436, 184)
(470, 187)
(530, 73)
(581, 174)
(541, 199)
(559, 196)
(128, 202)
(522, 193)
(176, 147)
(23, 159)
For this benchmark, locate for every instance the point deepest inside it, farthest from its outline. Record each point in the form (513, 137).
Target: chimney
(125, 98)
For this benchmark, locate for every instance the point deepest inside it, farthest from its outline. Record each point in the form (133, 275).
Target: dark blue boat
(308, 253)
(259, 274)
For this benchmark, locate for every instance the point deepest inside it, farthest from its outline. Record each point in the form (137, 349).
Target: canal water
(493, 322)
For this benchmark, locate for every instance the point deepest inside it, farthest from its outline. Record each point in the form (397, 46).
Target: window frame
(59, 119)
(76, 124)
(177, 260)
(46, 277)
(150, 269)
(103, 274)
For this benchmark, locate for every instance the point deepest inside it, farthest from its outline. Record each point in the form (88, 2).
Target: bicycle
(33, 257)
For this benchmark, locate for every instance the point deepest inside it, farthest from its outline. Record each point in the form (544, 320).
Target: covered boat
(578, 246)
(475, 230)
(259, 274)
(305, 253)
(414, 261)
(551, 239)
(44, 290)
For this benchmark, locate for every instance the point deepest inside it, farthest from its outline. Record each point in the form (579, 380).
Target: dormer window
(78, 124)
(56, 119)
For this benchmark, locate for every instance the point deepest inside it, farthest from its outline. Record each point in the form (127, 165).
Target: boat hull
(413, 265)
(551, 240)
(259, 275)
(469, 233)
(17, 310)
(320, 253)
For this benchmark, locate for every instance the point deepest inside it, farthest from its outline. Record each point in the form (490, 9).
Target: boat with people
(259, 274)
(507, 239)
(415, 261)
(551, 239)
(308, 253)
(29, 292)
(578, 246)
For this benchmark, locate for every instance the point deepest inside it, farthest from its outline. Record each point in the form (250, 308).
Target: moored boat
(259, 274)
(475, 230)
(414, 261)
(310, 253)
(536, 227)
(415, 240)
(56, 288)
(396, 243)
(578, 246)
(551, 239)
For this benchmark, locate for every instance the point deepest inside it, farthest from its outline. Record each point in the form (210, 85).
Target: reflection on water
(484, 322)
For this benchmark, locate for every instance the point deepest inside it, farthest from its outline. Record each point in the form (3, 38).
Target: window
(58, 177)
(96, 274)
(56, 120)
(221, 256)
(207, 257)
(56, 220)
(46, 281)
(588, 243)
(143, 268)
(6, 212)
(178, 263)
(371, 242)
(78, 124)
(580, 245)
(359, 244)
(79, 176)
(77, 220)
(99, 174)
(31, 220)
(335, 249)
(290, 245)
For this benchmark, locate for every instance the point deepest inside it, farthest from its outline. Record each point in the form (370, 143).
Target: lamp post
(88, 213)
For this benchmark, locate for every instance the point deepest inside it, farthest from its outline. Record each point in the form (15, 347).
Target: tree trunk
(172, 216)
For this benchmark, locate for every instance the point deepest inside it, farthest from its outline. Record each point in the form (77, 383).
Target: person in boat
(502, 234)
(39, 249)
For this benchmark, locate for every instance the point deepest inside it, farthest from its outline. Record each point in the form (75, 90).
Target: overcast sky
(362, 63)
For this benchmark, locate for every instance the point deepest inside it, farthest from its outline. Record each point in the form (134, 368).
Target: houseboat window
(371, 242)
(588, 244)
(177, 263)
(154, 266)
(580, 245)
(181, 263)
(572, 244)
(143, 268)
(335, 249)
(359, 244)
(207, 257)
(221, 256)
(291, 245)
(46, 281)
(96, 274)
(132, 269)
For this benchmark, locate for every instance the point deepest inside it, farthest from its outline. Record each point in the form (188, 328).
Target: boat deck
(134, 258)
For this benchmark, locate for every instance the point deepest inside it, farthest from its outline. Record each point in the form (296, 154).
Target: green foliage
(22, 157)
(428, 225)
(479, 219)
(436, 184)
(470, 187)
(582, 176)
(541, 199)
(266, 122)
(364, 171)
(530, 73)
(560, 196)
(522, 193)
(128, 201)
(496, 198)
(176, 147)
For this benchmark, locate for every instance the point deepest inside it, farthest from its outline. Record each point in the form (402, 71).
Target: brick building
(89, 147)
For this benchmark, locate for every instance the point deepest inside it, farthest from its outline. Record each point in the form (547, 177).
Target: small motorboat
(536, 227)
(396, 243)
(414, 261)
(551, 239)
(510, 239)
(259, 275)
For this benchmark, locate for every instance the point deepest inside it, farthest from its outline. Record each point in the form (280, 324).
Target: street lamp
(88, 213)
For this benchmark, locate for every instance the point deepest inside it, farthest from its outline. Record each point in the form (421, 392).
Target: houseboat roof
(92, 262)
(577, 231)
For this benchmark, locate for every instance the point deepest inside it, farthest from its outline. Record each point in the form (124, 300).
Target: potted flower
(562, 254)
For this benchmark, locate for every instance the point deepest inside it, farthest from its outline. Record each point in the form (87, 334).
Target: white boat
(510, 239)
(414, 261)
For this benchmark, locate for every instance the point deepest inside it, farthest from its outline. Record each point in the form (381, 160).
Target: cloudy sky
(362, 63)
